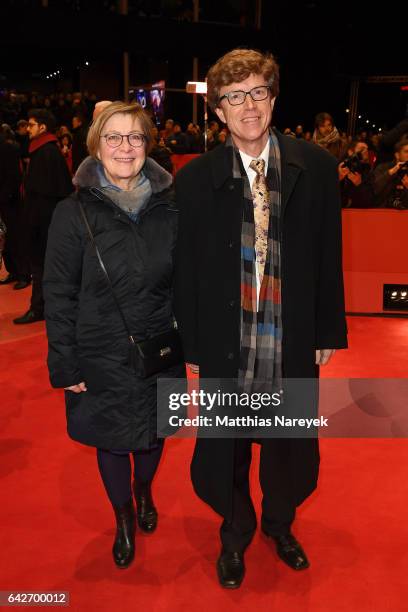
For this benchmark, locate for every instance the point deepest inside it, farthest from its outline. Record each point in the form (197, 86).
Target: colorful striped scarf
(261, 331)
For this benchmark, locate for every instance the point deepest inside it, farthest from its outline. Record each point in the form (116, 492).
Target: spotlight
(367, 121)
(347, 110)
(86, 63)
(395, 297)
(359, 116)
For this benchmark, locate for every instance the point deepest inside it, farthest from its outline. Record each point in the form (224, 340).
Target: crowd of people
(38, 133)
(372, 166)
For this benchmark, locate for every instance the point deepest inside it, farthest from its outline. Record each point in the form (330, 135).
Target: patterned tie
(261, 213)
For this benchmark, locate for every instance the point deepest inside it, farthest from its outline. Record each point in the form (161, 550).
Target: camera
(402, 171)
(354, 162)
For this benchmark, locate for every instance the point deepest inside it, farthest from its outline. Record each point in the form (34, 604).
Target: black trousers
(37, 242)
(278, 510)
(15, 264)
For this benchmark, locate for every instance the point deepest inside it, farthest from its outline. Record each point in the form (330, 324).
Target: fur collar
(87, 175)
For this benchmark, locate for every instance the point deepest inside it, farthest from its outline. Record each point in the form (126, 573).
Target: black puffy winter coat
(87, 339)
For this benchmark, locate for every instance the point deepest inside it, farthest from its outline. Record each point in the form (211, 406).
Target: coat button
(230, 244)
(232, 303)
(230, 356)
(231, 187)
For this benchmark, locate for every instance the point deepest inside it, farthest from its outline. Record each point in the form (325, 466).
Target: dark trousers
(278, 511)
(116, 473)
(12, 255)
(37, 241)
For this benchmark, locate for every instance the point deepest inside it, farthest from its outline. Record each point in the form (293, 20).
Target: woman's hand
(323, 356)
(76, 388)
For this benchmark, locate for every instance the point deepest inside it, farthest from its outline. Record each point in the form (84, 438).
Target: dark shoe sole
(226, 585)
(295, 569)
(144, 530)
(122, 567)
(282, 558)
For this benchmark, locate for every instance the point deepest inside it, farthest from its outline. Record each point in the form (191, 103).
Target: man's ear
(273, 103)
(42, 128)
(220, 114)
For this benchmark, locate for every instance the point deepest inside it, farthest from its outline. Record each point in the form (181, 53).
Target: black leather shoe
(22, 284)
(230, 569)
(9, 279)
(290, 551)
(28, 317)
(124, 545)
(146, 511)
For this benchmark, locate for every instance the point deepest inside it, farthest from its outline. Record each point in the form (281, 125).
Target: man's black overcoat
(207, 294)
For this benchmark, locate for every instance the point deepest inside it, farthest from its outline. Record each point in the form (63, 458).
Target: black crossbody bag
(149, 356)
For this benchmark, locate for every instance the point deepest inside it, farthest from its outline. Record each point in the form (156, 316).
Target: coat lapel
(292, 165)
(229, 190)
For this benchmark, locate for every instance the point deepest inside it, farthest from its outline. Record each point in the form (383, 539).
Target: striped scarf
(261, 331)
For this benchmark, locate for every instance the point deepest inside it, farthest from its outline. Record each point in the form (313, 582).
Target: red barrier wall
(181, 160)
(375, 252)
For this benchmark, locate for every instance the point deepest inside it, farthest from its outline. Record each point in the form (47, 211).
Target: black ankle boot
(124, 545)
(146, 512)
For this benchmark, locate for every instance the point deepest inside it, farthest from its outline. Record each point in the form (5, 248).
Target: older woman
(127, 200)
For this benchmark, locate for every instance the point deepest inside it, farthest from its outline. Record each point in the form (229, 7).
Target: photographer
(391, 179)
(355, 177)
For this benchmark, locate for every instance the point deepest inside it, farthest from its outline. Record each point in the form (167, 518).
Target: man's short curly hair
(236, 66)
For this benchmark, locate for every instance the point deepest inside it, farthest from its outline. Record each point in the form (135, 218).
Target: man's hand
(395, 168)
(355, 178)
(195, 369)
(343, 171)
(404, 181)
(76, 388)
(323, 356)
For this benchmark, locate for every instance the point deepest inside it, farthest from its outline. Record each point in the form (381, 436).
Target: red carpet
(57, 525)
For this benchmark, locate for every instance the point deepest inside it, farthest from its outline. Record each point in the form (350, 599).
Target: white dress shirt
(246, 160)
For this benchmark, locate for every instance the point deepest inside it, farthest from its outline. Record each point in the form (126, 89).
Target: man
(168, 129)
(391, 178)
(99, 107)
(79, 133)
(47, 182)
(213, 133)
(10, 178)
(177, 141)
(231, 259)
(22, 139)
(355, 177)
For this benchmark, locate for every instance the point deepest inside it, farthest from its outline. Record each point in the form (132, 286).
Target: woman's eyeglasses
(115, 140)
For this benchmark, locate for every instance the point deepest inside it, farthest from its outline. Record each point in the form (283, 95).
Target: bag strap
(104, 270)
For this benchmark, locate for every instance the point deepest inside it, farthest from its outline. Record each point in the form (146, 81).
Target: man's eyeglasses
(238, 97)
(115, 140)
(32, 124)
